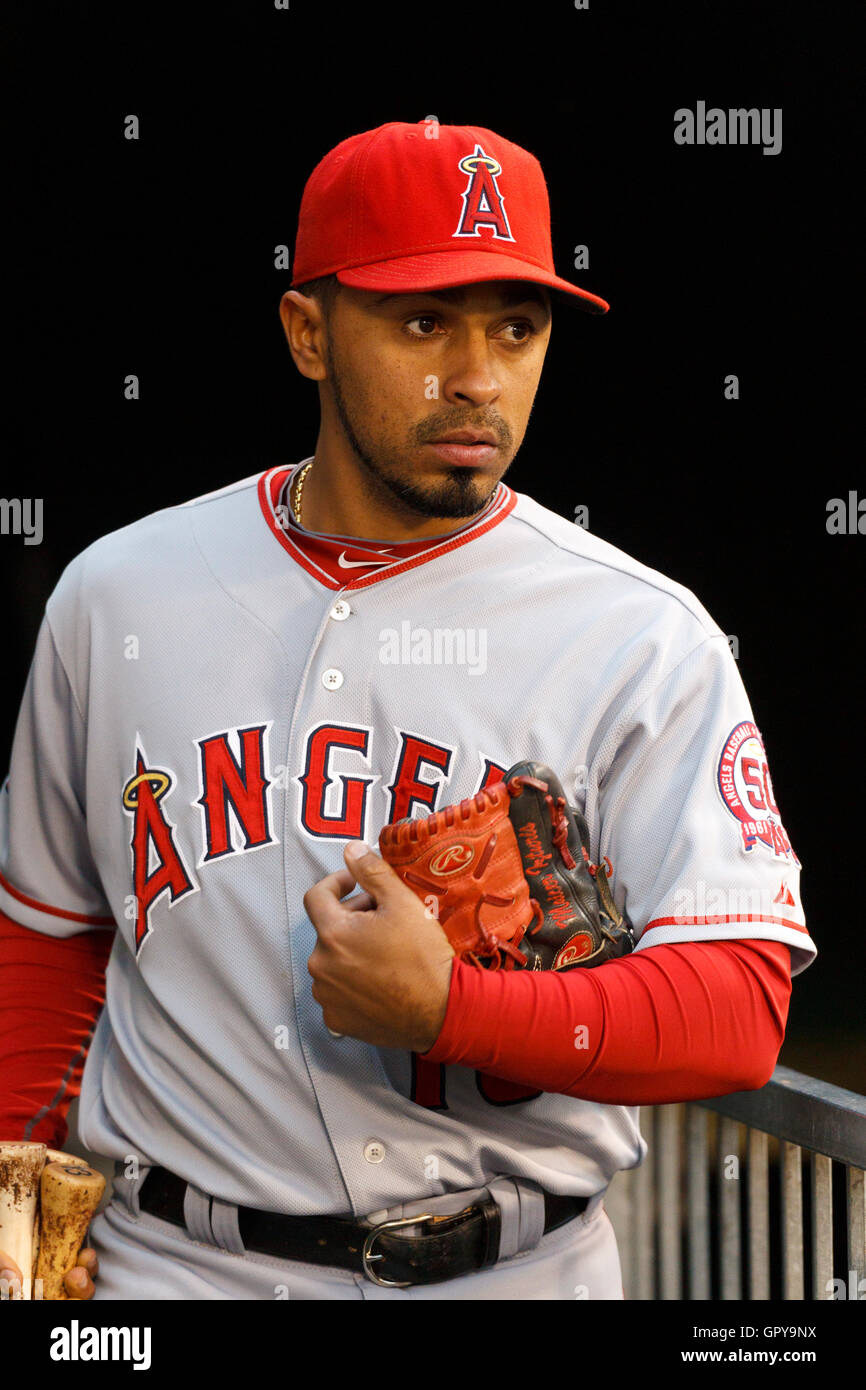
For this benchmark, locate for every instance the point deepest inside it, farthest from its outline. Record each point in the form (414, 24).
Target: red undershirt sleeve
(673, 1022)
(51, 992)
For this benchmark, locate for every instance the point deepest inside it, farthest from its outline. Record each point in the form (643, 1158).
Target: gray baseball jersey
(212, 712)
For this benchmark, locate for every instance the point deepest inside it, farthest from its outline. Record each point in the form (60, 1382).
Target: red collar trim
(271, 485)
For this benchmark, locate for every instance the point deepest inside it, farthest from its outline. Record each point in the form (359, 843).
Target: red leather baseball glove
(508, 874)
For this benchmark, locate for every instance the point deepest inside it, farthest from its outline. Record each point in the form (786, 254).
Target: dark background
(156, 257)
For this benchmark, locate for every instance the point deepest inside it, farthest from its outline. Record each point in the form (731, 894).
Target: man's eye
(428, 325)
(524, 329)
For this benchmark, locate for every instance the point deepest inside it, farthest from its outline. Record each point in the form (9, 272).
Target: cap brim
(440, 270)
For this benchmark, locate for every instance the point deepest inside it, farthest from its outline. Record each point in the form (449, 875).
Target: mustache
(436, 426)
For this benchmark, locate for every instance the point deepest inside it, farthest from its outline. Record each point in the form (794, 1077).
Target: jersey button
(340, 610)
(332, 679)
(374, 1152)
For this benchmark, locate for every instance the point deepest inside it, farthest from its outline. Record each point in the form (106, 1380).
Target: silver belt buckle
(367, 1258)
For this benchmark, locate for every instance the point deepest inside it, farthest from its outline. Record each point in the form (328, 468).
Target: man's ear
(303, 323)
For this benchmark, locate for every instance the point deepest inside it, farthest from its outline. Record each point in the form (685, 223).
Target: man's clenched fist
(382, 965)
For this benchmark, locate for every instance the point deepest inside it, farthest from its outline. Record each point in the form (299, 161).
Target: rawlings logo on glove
(510, 876)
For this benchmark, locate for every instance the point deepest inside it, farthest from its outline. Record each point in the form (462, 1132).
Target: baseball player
(308, 1094)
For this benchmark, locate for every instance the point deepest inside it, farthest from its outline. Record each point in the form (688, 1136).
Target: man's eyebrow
(519, 293)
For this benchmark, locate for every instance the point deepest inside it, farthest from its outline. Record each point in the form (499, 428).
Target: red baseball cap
(422, 207)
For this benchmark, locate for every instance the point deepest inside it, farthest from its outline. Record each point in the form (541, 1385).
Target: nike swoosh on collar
(359, 564)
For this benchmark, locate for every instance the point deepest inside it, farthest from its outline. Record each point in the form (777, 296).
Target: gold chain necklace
(297, 504)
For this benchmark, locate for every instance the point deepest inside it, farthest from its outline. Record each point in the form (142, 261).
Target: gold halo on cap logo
(470, 162)
(451, 860)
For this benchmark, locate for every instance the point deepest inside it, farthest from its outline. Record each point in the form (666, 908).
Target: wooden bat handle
(70, 1192)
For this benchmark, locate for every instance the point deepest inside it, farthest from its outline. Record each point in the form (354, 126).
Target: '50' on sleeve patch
(747, 791)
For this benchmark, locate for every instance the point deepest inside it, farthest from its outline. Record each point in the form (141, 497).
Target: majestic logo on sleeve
(747, 791)
(483, 204)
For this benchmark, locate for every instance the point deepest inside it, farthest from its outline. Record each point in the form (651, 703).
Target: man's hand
(78, 1281)
(382, 966)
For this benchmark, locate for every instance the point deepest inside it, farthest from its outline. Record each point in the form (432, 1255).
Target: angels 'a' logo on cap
(483, 204)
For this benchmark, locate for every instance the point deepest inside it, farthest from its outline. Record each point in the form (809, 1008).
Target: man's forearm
(670, 1023)
(51, 992)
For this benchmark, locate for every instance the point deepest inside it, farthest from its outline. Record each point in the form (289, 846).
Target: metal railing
(720, 1209)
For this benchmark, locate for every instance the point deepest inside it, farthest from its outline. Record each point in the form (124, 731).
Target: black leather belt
(446, 1247)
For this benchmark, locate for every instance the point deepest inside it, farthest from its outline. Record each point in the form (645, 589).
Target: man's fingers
(78, 1283)
(361, 902)
(371, 871)
(10, 1277)
(322, 901)
(8, 1268)
(89, 1260)
(327, 902)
